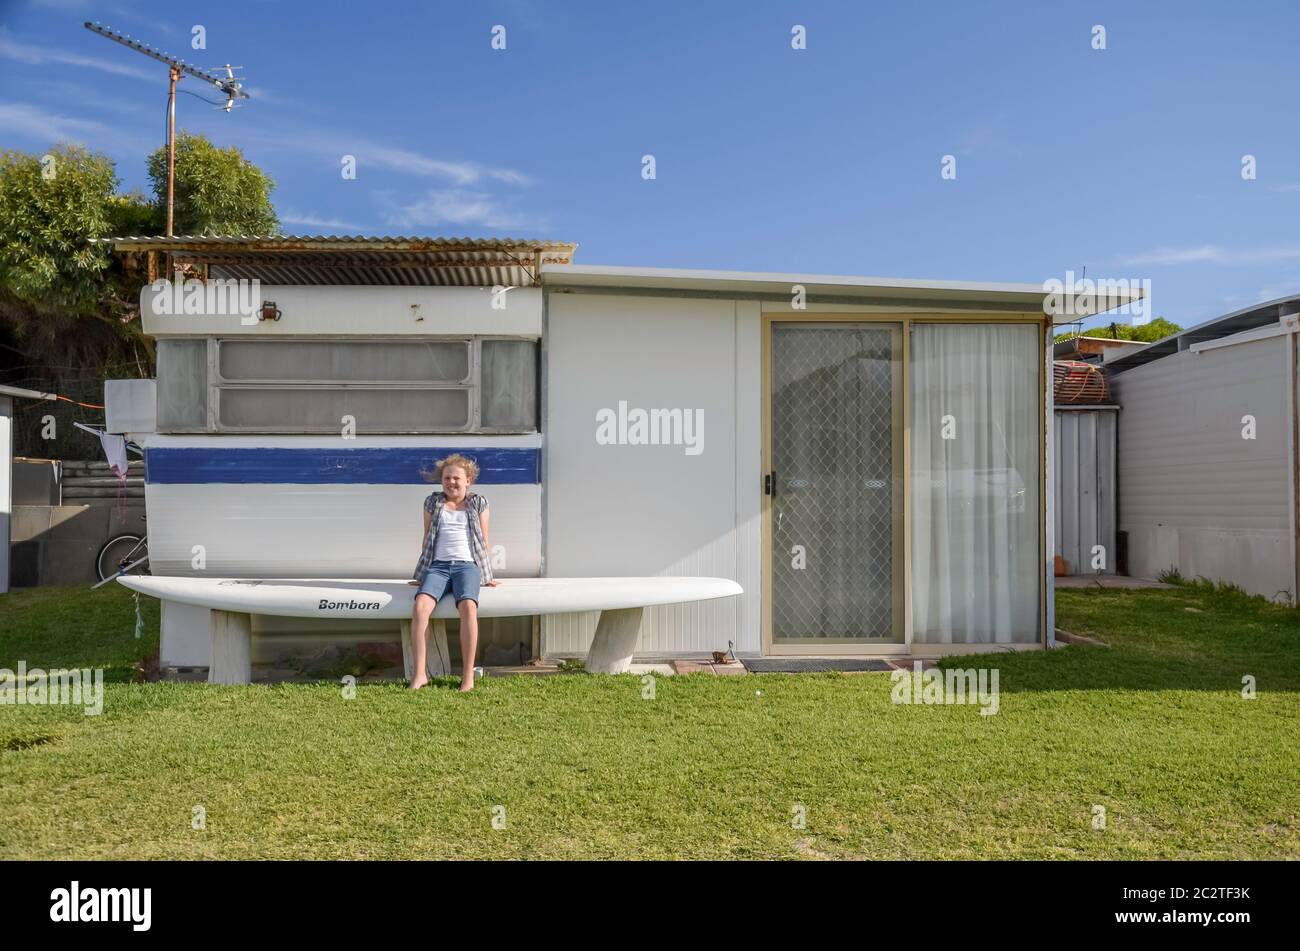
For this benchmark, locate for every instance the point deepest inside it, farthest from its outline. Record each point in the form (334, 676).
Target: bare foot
(466, 684)
(418, 682)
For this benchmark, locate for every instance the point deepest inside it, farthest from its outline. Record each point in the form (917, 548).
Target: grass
(1153, 728)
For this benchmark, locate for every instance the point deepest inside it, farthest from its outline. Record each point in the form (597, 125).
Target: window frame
(472, 384)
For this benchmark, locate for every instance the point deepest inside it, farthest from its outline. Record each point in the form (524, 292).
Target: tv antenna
(228, 84)
(233, 82)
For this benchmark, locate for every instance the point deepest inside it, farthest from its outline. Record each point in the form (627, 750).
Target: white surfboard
(347, 598)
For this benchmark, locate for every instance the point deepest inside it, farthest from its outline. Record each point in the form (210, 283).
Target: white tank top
(453, 536)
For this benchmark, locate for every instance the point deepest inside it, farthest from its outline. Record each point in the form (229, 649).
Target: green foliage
(1224, 589)
(50, 208)
(1150, 332)
(1171, 575)
(69, 308)
(218, 191)
(135, 214)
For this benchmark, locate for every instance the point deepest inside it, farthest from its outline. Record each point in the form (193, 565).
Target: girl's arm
(483, 521)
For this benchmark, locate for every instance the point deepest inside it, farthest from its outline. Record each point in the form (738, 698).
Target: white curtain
(976, 565)
(509, 384)
(182, 385)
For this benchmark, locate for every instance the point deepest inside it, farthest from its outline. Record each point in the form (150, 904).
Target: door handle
(769, 483)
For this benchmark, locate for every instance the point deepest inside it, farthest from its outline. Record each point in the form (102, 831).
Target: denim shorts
(461, 576)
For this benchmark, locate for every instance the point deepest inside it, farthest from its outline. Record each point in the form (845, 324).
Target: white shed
(1207, 452)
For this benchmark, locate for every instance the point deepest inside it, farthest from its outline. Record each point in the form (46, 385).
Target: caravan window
(292, 385)
(326, 361)
(317, 411)
(182, 385)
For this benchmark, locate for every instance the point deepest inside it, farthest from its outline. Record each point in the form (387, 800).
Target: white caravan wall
(653, 509)
(320, 531)
(314, 530)
(1193, 494)
(323, 530)
(352, 311)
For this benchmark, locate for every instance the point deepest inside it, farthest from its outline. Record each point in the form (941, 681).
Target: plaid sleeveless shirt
(475, 505)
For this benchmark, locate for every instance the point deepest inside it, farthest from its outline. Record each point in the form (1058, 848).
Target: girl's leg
(468, 641)
(420, 614)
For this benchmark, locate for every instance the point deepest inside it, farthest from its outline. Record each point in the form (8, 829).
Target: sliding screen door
(836, 487)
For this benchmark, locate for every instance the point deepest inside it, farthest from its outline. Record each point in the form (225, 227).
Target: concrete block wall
(58, 544)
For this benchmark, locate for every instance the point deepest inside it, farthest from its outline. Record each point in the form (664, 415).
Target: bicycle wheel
(119, 552)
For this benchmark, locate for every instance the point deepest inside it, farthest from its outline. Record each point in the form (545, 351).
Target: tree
(69, 307)
(51, 207)
(1149, 332)
(218, 191)
(63, 299)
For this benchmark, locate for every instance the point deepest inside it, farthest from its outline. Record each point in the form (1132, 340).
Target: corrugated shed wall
(1084, 482)
(1193, 493)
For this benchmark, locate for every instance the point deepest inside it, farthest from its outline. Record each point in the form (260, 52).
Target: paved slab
(663, 670)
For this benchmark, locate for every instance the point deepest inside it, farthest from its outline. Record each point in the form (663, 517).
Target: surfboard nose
(133, 582)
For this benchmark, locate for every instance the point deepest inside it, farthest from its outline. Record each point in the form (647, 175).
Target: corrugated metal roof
(1248, 318)
(359, 259)
(293, 240)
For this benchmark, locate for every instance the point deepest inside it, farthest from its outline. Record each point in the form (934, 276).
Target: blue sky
(824, 160)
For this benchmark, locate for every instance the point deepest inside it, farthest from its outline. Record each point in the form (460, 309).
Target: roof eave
(1028, 298)
(1247, 318)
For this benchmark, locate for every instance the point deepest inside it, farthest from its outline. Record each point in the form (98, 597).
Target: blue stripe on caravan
(375, 465)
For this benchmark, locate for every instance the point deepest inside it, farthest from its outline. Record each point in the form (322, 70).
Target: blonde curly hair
(456, 459)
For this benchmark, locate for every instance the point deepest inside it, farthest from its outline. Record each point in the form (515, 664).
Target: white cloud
(1172, 256)
(259, 94)
(40, 55)
(454, 207)
(461, 173)
(155, 24)
(311, 220)
(370, 154)
(24, 120)
(91, 97)
(1274, 291)
(1213, 254)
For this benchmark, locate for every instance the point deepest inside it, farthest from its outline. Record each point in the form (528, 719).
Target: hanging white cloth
(115, 451)
(114, 447)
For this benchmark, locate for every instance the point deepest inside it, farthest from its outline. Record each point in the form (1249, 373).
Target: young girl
(454, 555)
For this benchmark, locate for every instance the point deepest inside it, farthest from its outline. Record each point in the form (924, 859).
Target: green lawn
(1154, 729)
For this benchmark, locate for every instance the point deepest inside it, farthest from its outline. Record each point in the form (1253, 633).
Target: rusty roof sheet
(359, 259)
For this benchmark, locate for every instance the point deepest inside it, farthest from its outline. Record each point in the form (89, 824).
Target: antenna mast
(176, 68)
